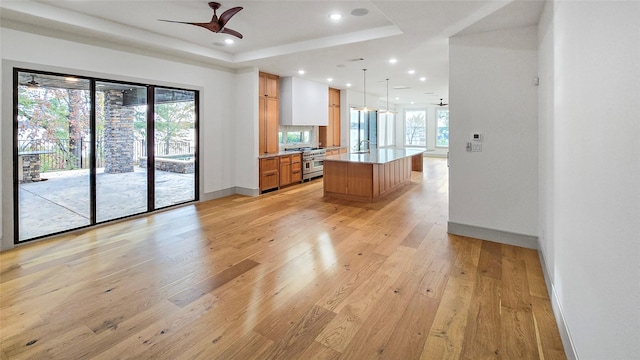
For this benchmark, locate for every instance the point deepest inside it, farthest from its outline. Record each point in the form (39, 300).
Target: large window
(415, 128)
(363, 130)
(386, 129)
(442, 128)
(84, 148)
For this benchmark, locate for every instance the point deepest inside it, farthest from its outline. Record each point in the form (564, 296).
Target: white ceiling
(282, 37)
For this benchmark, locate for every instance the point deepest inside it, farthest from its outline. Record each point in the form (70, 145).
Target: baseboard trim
(565, 336)
(504, 237)
(247, 191)
(229, 191)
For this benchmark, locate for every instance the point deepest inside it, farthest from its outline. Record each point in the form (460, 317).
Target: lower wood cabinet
(285, 170)
(279, 171)
(296, 168)
(269, 173)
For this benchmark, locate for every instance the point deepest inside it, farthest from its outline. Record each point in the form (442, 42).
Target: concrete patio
(62, 201)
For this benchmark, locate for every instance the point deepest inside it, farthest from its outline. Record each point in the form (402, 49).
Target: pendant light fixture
(387, 111)
(364, 107)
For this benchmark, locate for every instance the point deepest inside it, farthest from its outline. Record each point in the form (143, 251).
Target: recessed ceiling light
(412, 102)
(411, 72)
(301, 72)
(228, 41)
(335, 16)
(397, 98)
(393, 60)
(359, 12)
(329, 79)
(423, 79)
(348, 84)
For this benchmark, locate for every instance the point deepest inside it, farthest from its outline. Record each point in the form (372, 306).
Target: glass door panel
(53, 154)
(174, 147)
(121, 137)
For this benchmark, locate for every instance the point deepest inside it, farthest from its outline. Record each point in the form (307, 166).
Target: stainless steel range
(312, 162)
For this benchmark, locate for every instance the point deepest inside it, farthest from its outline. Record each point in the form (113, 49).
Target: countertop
(289, 152)
(376, 156)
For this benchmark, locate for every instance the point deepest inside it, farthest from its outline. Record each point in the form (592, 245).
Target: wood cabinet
(268, 113)
(365, 181)
(269, 173)
(285, 170)
(279, 171)
(329, 136)
(296, 168)
(290, 169)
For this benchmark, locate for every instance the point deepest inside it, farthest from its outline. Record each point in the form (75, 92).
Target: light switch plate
(476, 147)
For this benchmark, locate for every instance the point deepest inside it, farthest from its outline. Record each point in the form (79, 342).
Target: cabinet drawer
(269, 181)
(269, 164)
(285, 159)
(296, 175)
(296, 158)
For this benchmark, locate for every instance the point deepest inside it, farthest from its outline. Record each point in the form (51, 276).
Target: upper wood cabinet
(268, 113)
(329, 136)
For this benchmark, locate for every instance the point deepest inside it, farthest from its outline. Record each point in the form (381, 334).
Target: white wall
(218, 105)
(491, 91)
(590, 172)
(246, 132)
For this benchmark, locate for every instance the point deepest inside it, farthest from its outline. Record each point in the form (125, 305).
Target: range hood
(303, 102)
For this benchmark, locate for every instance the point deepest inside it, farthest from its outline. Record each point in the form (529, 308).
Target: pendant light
(387, 111)
(364, 107)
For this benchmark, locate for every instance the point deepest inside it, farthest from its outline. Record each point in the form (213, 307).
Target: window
(386, 129)
(415, 127)
(442, 128)
(363, 130)
(294, 136)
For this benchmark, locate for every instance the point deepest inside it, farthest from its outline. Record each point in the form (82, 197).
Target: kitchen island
(367, 176)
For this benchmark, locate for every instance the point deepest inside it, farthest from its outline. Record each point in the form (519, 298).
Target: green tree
(172, 123)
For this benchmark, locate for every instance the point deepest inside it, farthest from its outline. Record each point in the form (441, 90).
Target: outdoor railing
(65, 154)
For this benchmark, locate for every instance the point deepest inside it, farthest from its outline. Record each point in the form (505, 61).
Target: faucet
(362, 142)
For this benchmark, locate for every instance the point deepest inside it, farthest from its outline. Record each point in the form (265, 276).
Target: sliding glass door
(89, 151)
(121, 128)
(52, 146)
(174, 150)
(364, 129)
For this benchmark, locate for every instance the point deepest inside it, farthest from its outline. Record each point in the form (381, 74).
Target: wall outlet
(476, 147)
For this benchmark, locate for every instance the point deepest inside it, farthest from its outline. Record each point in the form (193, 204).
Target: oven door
(317, 164)
(312, 168)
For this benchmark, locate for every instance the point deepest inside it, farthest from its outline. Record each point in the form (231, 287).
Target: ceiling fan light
(228, 41)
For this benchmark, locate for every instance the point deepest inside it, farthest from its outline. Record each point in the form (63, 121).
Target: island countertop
(376, 156)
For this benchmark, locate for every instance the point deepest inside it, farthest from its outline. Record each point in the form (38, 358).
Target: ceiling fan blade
(231, 32)
(177, 22)
(228, 15)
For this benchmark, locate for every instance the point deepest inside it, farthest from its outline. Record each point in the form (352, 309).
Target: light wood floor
(286, 275)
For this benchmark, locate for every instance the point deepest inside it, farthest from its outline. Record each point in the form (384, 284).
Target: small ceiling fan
(217, 25)
(32, 83)
(441, 103)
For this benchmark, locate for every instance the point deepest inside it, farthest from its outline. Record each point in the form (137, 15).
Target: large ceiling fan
(217, 25)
